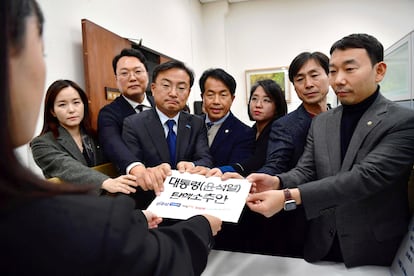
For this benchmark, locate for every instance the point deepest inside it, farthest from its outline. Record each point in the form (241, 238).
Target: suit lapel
(67, 142)
(223, 132)
(156, 131)
(371, 118)
(333, 132)
(184, 131)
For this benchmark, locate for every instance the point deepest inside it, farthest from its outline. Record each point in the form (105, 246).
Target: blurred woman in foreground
(54, 229)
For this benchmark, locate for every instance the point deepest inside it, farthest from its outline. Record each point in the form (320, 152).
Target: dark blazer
(364, 198)
(258, 159)
(144, 135)
(287, 141)
(110, 121)
(60, 157)
(86, 235)
(233, 143)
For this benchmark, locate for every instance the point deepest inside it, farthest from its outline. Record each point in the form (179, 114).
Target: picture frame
(279, 74)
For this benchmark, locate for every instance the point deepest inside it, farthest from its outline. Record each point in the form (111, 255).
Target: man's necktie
(139, 107)
(209, 125)
(171, 140)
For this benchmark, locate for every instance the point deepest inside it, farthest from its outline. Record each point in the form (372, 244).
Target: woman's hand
(153, 219)
(122, 184)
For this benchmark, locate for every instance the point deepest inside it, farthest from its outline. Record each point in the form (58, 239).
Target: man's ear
(381, 69)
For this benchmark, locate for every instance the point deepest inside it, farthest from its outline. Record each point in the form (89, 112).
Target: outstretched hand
(266, 203)
(153, 219)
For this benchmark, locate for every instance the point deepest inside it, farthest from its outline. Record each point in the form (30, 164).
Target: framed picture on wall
(278, 74)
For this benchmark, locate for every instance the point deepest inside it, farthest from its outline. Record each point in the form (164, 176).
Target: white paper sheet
(186, 195)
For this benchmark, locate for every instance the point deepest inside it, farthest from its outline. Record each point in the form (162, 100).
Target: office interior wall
(238, 36)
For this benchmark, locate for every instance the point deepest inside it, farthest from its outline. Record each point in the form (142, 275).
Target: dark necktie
(139, 107)
(171, 140)
(209, 125)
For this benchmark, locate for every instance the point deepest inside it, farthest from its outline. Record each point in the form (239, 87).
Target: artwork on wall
(278, 74)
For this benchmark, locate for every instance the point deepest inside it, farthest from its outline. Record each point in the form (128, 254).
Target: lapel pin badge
(187, 126)
(369, 123)
(226, 131)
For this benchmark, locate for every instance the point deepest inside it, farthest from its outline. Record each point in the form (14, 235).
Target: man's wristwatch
(290, 203)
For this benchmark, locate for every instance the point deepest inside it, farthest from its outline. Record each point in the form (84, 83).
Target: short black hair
(170, 65)
(304, 57)
(129, 52)
(218, 74)
(373, 47)
(275, 93)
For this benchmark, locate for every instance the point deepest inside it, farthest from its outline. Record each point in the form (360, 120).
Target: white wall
(270, 33)
(239, 36)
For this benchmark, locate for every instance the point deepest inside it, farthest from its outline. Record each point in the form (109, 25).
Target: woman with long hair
(49, 229)
(66, 147)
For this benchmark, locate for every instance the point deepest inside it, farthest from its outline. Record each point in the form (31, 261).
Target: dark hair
(275, 93)
(218, 74)
(17, 183)
(170, 65)
(50, 122)
(129, 52)
(374, 48)
(304, 57)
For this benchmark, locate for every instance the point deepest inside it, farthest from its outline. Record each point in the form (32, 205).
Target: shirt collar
(134, 104)
(164, 118)
(219, 121)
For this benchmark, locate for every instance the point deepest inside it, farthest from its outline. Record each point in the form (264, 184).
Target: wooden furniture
(100, 46)
(106, 168)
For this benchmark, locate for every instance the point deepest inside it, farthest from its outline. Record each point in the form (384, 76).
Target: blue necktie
(171, 140)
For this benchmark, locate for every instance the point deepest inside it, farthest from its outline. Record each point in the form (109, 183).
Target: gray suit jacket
(364, 199)
(62, 158)
(144, 135)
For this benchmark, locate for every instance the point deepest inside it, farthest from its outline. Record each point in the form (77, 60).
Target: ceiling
(230, 1)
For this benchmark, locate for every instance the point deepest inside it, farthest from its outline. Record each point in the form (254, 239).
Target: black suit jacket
(144, 135)
(110, 121)
(88, 235)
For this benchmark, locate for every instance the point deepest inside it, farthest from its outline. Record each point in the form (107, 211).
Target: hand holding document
(186, 195)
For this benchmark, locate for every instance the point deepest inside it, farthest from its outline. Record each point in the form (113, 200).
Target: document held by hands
(186, 195)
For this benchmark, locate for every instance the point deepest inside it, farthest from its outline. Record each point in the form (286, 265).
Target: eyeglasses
(125, 74)
(256, 100)
(168, 87)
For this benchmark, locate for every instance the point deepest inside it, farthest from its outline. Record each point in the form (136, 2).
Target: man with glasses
(131, 74)
(166, 137)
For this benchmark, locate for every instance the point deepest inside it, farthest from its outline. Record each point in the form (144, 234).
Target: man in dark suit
(352, 177)
(131, 73)
(230, 140)
(147, 134)
(308, 73)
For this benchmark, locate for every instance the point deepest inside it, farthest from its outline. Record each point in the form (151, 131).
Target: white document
(186, 195)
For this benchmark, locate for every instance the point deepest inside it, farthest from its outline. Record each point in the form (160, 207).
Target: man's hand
(152, 178)
(263, 182)
(266, 203)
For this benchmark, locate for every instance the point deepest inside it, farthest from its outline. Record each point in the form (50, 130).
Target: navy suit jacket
(233, 143)
(110, 121)
(287, 141)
